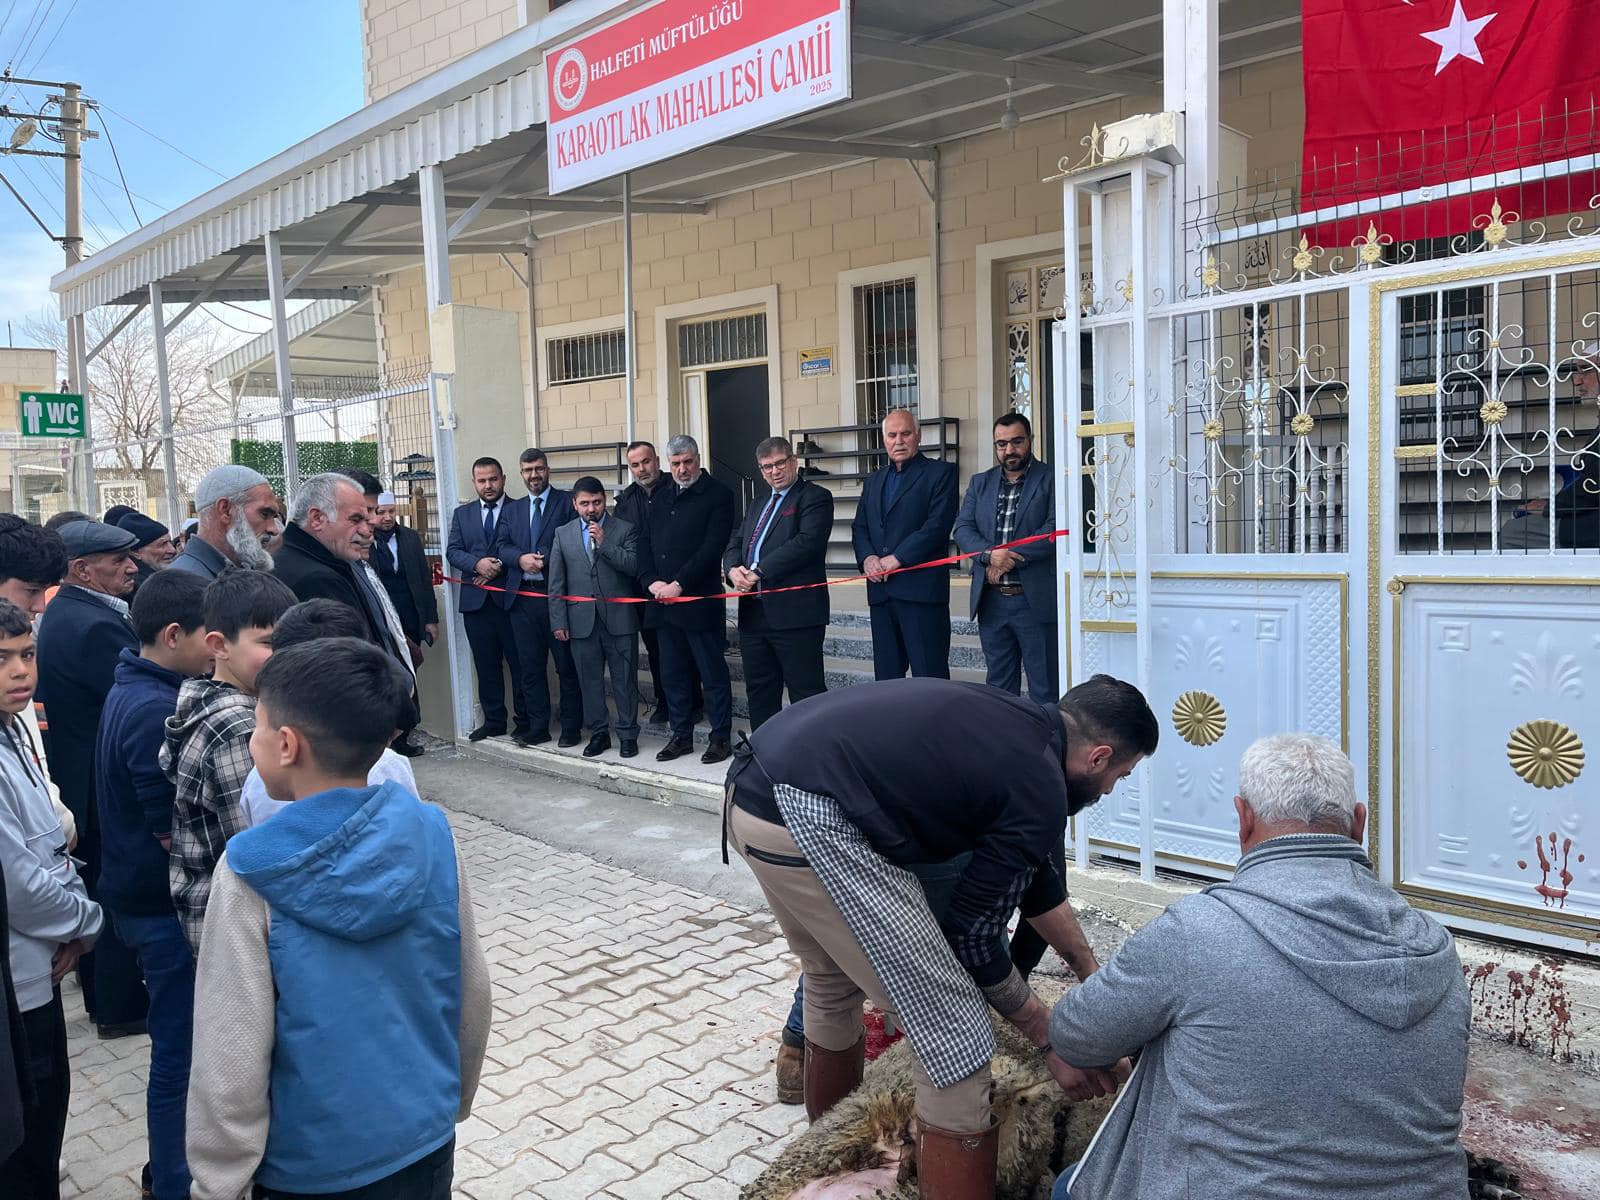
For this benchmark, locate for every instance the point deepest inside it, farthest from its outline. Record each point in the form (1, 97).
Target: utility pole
(72, 124)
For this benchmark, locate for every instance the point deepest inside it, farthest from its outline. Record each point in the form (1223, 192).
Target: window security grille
(886, 348)
(585, 357)
(726, 339)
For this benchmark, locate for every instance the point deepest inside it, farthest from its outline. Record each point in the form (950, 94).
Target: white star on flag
(1459, 39)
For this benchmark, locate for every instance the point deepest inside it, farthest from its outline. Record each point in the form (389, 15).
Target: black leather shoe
(598, 744)
(630, 747)
(659, 717)
(127, 1029)
(569, 739)
(407, 749)
(485, 731)
(530, 738)
(676, 748)
(719, 749)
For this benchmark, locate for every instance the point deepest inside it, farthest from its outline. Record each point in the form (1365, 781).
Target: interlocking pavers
(630, 1055)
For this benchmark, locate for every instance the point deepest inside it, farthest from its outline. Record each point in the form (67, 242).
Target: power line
(107, 179)
(38, 58)
(23, 36)
(6, 20)
(22, 53)
(149, 133)
(26, 206)
(117, 158)
(247, 332)
(25, 173)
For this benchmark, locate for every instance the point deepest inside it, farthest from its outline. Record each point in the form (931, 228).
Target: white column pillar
(442, 417)
(629, 325)
(535, 420)
(280, 362)
(169, 459)
(1189, 84)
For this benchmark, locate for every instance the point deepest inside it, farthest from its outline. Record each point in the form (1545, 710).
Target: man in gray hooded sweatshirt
(1301, 1030)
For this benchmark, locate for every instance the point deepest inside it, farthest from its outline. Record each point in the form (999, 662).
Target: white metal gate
(1306, 497)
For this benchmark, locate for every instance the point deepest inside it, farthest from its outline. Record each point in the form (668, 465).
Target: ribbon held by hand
(440, 577)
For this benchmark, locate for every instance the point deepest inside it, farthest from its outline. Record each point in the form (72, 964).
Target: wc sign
(52, 415)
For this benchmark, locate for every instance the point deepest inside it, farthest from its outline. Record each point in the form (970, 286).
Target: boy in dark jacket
(314, 1072)
(207, 751)
(135, 809)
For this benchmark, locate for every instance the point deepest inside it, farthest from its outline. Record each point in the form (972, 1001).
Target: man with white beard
(238, 517)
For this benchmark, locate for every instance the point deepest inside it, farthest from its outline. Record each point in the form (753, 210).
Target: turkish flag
(1409, 94)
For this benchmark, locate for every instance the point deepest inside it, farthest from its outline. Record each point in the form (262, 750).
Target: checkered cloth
(941, 1008)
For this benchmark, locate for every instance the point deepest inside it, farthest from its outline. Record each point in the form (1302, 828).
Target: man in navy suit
(487, 615)
(782, 543)
(904, 518)
(1013, 591)
(523, 543)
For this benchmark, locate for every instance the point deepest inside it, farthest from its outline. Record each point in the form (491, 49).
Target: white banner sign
(682, 74)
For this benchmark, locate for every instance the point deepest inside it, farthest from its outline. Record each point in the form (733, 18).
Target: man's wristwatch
(756, 571)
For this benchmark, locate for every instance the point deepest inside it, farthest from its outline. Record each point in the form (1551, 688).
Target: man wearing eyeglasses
(782, 543)
(1013, 591)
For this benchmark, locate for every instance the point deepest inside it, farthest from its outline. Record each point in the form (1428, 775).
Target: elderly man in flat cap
(81, 635)
(238, 518)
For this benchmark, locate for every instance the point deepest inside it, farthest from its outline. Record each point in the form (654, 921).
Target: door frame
(672, 390)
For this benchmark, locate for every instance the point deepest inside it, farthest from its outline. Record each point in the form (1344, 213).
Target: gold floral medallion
(1492, 412)
(1199, 718)
(1545, 753)
(1301, 424)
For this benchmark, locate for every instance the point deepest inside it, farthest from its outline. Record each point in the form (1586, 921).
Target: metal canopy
(328, 340)
(345, 203)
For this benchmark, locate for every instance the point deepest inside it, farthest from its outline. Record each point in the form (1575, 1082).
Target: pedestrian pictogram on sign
(52, 415)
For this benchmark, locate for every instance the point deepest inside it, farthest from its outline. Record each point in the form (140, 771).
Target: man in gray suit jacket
(1013, 591)
(597, 555)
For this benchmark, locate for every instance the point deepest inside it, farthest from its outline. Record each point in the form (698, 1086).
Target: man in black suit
(782, 542)
(633, 506)
(474, 528)
(523, 544)
(402, 568)
(904, 518)
(81, 635)
(680, 554)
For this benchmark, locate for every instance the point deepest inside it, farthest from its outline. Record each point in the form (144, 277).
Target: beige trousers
(838, 975)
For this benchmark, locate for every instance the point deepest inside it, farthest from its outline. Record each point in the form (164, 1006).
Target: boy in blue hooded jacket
(342, 1000)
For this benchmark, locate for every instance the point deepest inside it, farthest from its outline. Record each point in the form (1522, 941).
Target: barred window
(886, 348)
(586, 357)
(723, 340)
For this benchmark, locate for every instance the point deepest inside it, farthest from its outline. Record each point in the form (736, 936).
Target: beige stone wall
(799, 236)
(23, 369)
(403, 40)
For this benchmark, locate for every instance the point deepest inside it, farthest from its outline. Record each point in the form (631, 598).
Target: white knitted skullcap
(226, 482)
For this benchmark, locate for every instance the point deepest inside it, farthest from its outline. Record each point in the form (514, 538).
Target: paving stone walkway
(635, 1027)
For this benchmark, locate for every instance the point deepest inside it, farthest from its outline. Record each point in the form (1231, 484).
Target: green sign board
(52, 415)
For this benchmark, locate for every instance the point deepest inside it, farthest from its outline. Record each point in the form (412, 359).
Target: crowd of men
(209, 816)
(676, 534)
(226, 725)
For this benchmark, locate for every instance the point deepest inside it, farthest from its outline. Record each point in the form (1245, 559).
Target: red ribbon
(440, 577)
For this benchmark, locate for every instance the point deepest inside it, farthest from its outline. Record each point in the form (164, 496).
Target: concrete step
(686, 781)
(847, 660)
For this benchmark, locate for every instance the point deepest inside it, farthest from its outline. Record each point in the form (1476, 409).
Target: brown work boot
(831, 1075)
(956, 1166)
(791, 1074)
